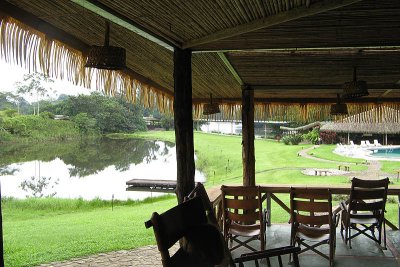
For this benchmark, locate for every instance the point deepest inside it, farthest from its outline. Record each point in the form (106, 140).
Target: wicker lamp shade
(211, 108)
(339, 108)
(106, 57)
(355, 89)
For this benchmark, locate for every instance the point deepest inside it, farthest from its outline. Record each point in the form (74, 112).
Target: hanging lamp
(106, 57)
(339, 108)
(355, 88)
(211, 108)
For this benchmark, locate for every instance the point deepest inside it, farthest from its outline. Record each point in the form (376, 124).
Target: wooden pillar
(248, 158)
(183, 122)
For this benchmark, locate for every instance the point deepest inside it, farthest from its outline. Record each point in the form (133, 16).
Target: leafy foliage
(292, 139)
(328, 137)
(111, 114)
(167, 122)
(36, 186)
(36, 127)
(33, 84)
(312, 136)
(84, 123)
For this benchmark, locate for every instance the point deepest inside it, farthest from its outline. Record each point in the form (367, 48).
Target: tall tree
(34, 85)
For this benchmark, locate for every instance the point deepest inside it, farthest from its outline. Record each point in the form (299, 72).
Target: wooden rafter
(333, 49)
(387, 86)
(113, 16)
(66, 38)
(299, 100)
(231, 68)
(293, 14)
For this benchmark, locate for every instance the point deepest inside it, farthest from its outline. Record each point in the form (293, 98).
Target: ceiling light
(106, 57)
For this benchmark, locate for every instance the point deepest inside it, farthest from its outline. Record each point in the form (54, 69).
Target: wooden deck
(146, 185)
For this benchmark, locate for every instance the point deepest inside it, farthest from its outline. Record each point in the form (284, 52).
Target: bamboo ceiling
(295, 54)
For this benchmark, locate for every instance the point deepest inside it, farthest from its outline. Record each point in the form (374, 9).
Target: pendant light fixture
(211, 108)
(355, 88)
(106, 57)
(339, 108)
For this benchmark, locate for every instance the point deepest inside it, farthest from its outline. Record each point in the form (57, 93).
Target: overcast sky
(10, 74)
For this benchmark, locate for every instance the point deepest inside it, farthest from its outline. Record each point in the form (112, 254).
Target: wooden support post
(183, 122)
(248, 158)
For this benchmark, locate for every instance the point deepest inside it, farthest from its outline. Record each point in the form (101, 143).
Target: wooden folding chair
(243, 215)
(312, 220)
(365, 211)
(187, 220)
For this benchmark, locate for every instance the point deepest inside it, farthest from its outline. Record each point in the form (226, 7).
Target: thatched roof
(296, 55)
(379, 120)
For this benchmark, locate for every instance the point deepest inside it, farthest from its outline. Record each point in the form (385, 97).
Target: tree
(84, 123)
(33, 84)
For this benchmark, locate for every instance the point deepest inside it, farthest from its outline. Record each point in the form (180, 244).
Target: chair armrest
(258, 255)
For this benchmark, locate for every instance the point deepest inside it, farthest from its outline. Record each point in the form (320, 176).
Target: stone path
(144, 256)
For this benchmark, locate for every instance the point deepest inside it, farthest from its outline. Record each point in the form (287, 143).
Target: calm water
(387, 153)
(95, 168)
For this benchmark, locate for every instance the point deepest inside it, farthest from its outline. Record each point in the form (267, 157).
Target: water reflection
(96, 168)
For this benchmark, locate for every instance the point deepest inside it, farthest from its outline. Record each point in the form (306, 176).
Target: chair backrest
(311, 207)
(175, 223)
(200, 191)
(368, 198)
(242, 204)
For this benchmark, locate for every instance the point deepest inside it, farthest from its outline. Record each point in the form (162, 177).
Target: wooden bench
(320, 172)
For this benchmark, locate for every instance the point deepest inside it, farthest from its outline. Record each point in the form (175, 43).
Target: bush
(286, 140)
(296, 139)
(328, 137)
(312, 136)
(292, 139)
(47, 115)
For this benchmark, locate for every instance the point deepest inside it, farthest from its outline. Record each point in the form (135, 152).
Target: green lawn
(39, 231)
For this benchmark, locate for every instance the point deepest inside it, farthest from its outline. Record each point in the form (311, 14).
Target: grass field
(45, 230)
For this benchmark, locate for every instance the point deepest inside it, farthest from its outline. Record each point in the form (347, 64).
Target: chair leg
(349, 236)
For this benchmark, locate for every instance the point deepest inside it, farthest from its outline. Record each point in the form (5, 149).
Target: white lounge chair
(369, 144)
(352, 143)
(376, 143)
(363, 144)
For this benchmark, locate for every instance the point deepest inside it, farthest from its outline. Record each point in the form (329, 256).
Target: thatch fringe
(26, 47)
(380, 119)
(305, 113)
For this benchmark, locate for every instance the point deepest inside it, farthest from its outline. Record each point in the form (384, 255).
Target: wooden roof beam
(337, 49)
(231, 68)
(381, 86)
(119, 19)
(293, 14)
(238, 101)
(64, 37)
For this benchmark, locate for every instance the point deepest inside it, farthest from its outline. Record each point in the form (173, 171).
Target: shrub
(328, 137)
(47, 115)
(286, 140)
(292, 139)
(312, 136)
(296, 139)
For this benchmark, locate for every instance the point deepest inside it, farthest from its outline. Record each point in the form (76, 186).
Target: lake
(87, 169)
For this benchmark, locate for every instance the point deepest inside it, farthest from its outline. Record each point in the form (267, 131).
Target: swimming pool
(386, 152)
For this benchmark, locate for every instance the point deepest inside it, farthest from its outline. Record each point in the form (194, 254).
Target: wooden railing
(269, 192)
